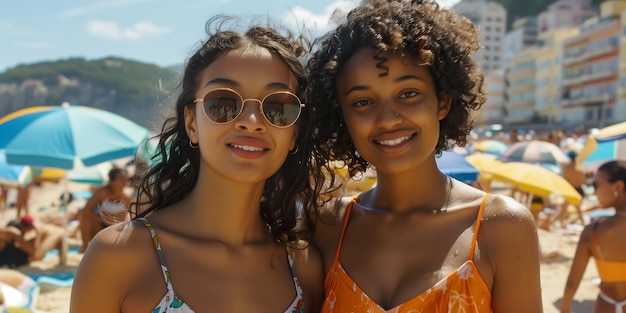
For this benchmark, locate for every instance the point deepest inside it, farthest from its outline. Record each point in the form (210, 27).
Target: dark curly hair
(436, 37)
(289, 196)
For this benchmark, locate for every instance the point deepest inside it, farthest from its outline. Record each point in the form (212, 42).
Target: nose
(251, 117)
(388, 115)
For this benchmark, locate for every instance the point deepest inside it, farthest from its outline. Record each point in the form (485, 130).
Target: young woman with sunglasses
(394, 85)
(605, 241)
(224, 212)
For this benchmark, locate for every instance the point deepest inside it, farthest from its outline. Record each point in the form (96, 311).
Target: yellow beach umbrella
(535, 179)
(483, 162)
(612, 132)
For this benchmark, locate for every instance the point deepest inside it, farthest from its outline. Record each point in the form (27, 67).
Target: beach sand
(557, 246)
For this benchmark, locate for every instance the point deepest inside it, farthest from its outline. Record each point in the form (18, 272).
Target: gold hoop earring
(294, 151)
(615, 194)
(192, 145)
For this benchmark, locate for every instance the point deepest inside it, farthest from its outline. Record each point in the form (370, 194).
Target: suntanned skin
(220, 255)
(395, 247)
(610, 234)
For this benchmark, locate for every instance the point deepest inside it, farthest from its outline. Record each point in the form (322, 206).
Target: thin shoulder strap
(594, 238)
(157, 246)
(345, 225)
(479, 218)
(293, 274)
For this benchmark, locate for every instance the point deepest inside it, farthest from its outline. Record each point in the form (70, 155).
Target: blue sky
(161, 32)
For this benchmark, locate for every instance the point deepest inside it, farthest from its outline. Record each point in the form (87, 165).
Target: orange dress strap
(479, 218)
(345, 225)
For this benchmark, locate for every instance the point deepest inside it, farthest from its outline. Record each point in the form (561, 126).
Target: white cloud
(447, 3)
(138, 31)
(98, 6)
(297, 17)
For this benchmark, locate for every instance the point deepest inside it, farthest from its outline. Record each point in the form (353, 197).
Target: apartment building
(490, 18)
(590, 70)
(566, 14)
(549, 65)
(492, 110)
(520, 88)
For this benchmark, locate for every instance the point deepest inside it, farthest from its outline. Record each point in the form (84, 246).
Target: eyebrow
(397, 80)
(231, 83)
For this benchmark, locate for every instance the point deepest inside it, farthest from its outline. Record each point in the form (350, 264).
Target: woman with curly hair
(394, 85)
(222, 213)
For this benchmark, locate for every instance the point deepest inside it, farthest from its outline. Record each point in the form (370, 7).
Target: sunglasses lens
(281, 109)
(222, 106)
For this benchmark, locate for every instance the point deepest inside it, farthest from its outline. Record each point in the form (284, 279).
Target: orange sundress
(464, 290)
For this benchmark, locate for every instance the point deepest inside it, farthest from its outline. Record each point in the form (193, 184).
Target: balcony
(588, 77)
(586, 55)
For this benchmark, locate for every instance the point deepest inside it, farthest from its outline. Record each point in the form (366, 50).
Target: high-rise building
(566, 14)
(590, 70)
(490, 18)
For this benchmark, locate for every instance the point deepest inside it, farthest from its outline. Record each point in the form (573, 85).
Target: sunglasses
(281, 109)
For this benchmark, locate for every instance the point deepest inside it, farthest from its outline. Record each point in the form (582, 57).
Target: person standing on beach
(575, 177)
(394, 86)
(217, 230)
(604, 240)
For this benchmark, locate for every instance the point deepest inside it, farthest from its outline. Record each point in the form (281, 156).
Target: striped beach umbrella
(535, 151)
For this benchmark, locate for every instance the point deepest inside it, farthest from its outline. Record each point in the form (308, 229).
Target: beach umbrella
(483, 162)
(490, 146)
(67, 136)
(535, 179)
(14, 175)
(55, 136)
(613, 132)
(535, 151)
(94, 175)
(456, 166)
(596, 153)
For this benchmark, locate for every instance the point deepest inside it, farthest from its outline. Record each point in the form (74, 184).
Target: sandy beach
(558, 247)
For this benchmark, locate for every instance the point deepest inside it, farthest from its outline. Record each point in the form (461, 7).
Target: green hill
(126, 87)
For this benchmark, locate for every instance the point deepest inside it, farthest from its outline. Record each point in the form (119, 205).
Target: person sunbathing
(21, 242)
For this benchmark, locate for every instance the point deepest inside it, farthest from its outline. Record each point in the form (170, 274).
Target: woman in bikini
(216, 229)
(394, 85)
(107, 205)
(604, 241)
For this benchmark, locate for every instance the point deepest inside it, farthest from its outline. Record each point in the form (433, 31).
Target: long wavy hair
(289, 196)
(436, 37)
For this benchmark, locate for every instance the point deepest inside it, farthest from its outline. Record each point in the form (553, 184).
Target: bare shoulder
(504, 209)
(115, 263)
(129, 241)
(507, 224)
